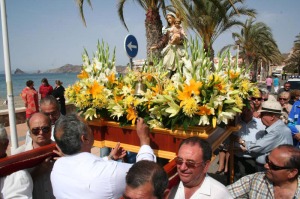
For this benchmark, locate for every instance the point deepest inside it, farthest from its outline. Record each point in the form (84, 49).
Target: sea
(19, 81)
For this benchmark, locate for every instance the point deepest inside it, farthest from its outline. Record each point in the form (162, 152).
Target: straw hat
(271, 106)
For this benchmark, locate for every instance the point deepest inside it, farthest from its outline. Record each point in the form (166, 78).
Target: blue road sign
(131, 46)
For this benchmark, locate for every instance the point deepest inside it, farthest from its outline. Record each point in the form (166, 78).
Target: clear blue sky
(46, 34)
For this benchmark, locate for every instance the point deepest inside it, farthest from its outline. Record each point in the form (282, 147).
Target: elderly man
(286, 87)
(39, 126)
(251, 130)
(193, 161)
(280, 180)
(80, 174)
(277, 132)
(18, 184)
(146, 179)
(50, 107)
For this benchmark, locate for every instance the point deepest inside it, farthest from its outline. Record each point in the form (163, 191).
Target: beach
(17, 101)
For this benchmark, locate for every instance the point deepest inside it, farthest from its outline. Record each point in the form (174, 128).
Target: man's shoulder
(20, 149)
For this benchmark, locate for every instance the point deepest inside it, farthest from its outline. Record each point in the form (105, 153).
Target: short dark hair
(294, 160)
(29, 83)
(203, 144)
(147, 171)
(70, 128)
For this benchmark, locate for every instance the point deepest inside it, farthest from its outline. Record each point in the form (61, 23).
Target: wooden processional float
(164, 142)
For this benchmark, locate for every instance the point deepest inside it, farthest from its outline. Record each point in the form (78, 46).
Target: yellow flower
(188, 90)
(111, 78)
(96, 89)
(204, 110)
(221, 87)
(156, 90)
(233, 74)
(83, 75)
(190, 106)
(131, 115)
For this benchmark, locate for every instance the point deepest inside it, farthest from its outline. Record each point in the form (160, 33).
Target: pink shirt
(269, 81)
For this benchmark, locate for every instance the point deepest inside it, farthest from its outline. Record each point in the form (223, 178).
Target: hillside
(68, 68)
(19, 71)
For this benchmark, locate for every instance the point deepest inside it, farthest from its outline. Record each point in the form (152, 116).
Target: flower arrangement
(194, 95)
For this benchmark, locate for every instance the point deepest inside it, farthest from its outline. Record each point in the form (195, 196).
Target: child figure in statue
(177, 33)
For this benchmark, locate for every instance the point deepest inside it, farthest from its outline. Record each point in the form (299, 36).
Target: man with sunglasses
(39, 126)
(193, 161)
(276, 133)
(280, 179)
(50, 107)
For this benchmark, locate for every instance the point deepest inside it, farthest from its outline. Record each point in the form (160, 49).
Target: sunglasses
(258, 99)
(36, 131)
(189, 163)
(275, 167)
(283, 99)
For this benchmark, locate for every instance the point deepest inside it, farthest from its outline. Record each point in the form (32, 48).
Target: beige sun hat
(271, 106)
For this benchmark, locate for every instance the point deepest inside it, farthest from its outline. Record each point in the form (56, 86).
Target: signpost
(131, 47)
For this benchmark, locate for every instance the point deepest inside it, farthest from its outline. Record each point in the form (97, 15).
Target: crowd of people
(267, 159)
(31, 96)
(266, 150)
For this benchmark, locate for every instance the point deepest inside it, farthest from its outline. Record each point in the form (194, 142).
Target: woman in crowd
(30, 97)
(295, 95)
(59, 94)
(45, 88)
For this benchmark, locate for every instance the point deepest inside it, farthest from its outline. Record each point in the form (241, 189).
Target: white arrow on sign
(130, 46)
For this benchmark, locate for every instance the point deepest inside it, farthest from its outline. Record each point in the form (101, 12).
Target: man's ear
(207, 164)
(166, 194)
(84, 138)
(293, 173)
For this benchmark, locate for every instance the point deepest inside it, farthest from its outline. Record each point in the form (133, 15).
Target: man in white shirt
(193, 161)
(18, 184)
(39, 126)
(80, 174)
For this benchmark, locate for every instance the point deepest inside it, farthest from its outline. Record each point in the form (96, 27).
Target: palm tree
(210, 18)
(293, 61)
(153, 23)
(257, 44)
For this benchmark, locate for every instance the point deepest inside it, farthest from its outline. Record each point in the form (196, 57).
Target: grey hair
(68, 132)
(50, 99)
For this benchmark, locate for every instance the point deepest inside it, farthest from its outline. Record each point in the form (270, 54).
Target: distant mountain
(68, 68)
(19, 71)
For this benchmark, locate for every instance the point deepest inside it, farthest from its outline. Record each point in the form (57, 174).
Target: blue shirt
(250, 132)
(294, 120)
(276, 82)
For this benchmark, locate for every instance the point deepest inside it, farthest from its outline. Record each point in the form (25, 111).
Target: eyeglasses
(275, 167)
(36, 131)
(189, 163)
(256, 98)
(283, 99)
